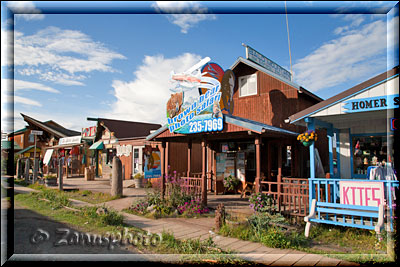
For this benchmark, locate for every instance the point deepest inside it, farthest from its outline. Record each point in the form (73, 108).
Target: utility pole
(35, 171)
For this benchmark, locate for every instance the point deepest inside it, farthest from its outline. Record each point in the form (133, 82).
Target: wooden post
(60, 175)
(214, 170)
(116, 180)
(258, 164)
(203, 173)
(27, 167)
(279, 178)
(166, 158)
(269, 161)
(293, 160)
(189, 157)
(209, 167)
(163, 145)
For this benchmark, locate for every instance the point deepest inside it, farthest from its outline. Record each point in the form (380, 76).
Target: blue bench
(338, 214)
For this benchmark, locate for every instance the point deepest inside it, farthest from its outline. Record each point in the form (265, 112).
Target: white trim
(248, 78)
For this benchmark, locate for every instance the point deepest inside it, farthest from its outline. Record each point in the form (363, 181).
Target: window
(248, 85)
(369, 151)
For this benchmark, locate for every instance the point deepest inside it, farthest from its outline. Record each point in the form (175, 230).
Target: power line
(290, 54)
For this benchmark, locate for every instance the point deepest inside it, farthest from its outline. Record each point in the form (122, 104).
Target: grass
(83, 195)
(346, 243)
(87, 220)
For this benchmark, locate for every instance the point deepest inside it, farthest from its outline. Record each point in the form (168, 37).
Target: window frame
(247, 89)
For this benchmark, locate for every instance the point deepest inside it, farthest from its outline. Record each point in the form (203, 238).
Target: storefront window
(369, 151)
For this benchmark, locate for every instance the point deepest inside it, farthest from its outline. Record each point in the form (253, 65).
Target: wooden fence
(291, 196)
(189, 185)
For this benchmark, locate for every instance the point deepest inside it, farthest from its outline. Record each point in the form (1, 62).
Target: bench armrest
(312, 212)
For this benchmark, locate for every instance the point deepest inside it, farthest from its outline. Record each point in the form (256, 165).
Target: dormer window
(248, 85)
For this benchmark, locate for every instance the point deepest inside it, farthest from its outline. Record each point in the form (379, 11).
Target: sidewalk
(184, 229)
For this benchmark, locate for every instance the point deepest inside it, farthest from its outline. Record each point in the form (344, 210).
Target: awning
(47, 156)
(98, 145)
(28, 149)
(7, 145)
(67, 145)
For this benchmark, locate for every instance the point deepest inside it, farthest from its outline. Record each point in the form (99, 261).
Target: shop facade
(237, 121)
(49, 134)
(361, 125)
(124, 139)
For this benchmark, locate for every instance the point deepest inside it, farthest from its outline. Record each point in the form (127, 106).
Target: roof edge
(260, 68)
(359, 88)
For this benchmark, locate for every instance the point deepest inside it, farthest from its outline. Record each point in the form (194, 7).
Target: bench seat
(337, 214)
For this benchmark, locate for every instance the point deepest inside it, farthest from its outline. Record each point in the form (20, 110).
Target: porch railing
(328, 191)
(189, 185)
(290, 196)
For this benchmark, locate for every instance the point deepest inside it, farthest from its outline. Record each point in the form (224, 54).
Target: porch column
(209, 167)
(189, 157)
(330, 144)
(269, 161)
(311, 126)
(166, 158)
(279, 176)
(214, 169)
(203, 173)
(162, 150)
(293, 164)
(258, 167)
(337, 132)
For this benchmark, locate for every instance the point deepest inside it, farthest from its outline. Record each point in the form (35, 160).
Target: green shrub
(260, 202)
(50, 177)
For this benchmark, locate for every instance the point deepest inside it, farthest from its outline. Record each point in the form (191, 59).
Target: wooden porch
(291, 195)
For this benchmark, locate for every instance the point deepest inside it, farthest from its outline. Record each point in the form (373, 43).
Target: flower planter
(307, 143)
(50, 182)
(138, 183)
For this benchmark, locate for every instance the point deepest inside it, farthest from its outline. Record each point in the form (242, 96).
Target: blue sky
(68, 67)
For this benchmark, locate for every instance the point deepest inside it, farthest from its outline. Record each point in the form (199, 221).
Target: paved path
(184, 229)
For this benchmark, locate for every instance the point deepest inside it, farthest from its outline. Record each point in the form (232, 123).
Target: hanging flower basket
(307, 138)
(309, 143)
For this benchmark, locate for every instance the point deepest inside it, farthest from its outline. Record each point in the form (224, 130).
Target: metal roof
(251, 125)
(255, 126)
(260, 68)
(346, 94)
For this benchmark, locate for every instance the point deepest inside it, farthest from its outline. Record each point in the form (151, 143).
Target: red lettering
(366, 195)
(373, 196)
(353, 189)
(345, 197)
(361, 197)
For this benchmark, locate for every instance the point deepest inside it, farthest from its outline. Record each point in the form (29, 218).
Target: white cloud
(26, 101)
(25, 10)
(184, 14)
(24, 85)
(61, 56)
(354, 55)
(145, 97)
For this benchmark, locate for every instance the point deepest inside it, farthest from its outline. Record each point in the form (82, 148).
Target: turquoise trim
(337, 151)
(311, 126)
(347, 97)
(97, 146)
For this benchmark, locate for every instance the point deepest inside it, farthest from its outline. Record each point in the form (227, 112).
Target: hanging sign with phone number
(209, 125)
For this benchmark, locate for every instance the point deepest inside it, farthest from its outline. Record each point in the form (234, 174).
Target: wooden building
(255, 144)
(361, 124)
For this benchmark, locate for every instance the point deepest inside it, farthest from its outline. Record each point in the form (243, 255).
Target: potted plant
(307, 138)
(138, 180)
(50, 180)
(231, 183)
